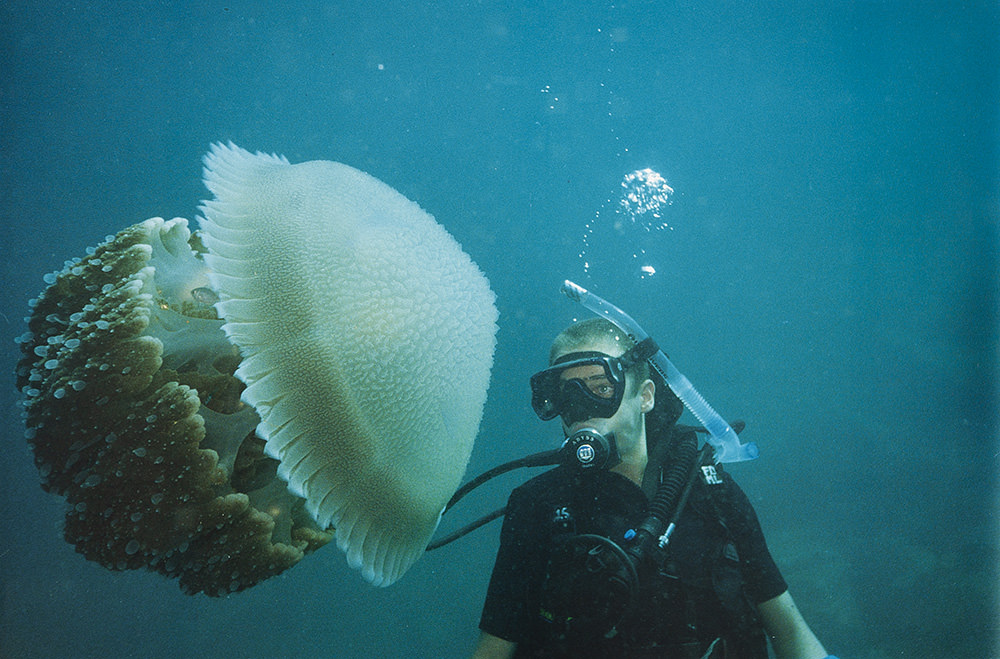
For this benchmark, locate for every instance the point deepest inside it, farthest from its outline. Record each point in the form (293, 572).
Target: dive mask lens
(582, 386)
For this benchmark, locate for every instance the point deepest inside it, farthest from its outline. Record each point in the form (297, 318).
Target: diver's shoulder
(720, 485)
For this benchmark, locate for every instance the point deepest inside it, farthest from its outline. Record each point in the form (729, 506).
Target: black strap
(640, 352)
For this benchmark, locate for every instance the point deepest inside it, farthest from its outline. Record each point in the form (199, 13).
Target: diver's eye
(599, 386)
(603, 388)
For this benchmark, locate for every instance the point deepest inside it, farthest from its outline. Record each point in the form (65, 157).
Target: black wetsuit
(703, 587)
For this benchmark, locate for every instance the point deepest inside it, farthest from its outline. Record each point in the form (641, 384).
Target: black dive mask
(580, 386)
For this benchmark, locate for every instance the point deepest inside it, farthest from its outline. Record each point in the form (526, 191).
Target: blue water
(830, 273)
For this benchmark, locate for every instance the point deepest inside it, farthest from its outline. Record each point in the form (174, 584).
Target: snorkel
(721, 435)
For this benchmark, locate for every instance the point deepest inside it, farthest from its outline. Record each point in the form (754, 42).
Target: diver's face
(627, 422)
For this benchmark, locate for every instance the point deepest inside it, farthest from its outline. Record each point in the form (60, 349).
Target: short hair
(595, 332)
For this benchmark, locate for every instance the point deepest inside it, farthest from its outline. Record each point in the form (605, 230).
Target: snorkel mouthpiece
(721, 436)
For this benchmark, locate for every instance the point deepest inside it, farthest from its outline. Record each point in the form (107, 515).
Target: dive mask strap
(578, 356)
(639, 353)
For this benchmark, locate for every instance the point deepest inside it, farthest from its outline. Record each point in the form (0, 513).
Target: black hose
(535, 460)
(468, 528)
(667, 495)
(673, 481)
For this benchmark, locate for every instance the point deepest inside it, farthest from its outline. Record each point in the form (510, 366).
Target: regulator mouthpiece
(589, 450)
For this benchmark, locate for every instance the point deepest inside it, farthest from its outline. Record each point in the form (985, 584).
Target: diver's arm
(493, 647)
(790, 636)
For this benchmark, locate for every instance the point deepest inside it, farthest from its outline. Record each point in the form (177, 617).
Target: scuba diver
(638, 544)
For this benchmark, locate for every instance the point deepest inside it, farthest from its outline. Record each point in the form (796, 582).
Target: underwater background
(826, 269)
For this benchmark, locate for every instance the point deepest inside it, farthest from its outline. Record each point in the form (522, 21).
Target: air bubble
(77, 317)
(92, 481)
(102, 324)
(59, 393)
(156, 498)
(50, 278)
(41, 351)
(72, 344)
(640, 213)
(132, 547)
(140, 452)
(52, 364)
(78, 385)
